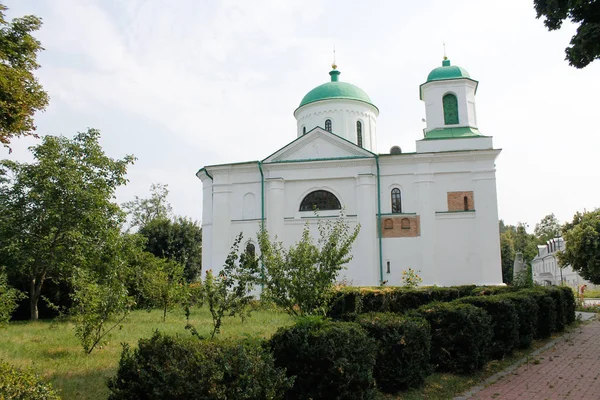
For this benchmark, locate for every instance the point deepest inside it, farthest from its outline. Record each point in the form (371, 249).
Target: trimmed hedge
(527, 310)
(17, 383)
(329, 360)
(403, 349)
(570, 303)
(174, 367)
(349, 302)
(561, 307)
(546, 311)
(505, 322)
(460, 336)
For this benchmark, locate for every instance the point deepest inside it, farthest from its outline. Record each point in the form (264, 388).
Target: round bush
(329, 360)
(527, 310)
(505, 322)
(546, 312)
(561, 307)
(16, 383)
(173, 367)
(403, 349)
(460, 336)
(570, 303)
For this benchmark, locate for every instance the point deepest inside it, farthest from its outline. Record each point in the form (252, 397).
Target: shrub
(403, 349)
(23, 384)
(9, 298)
(330, 360)
(460, 336)
(570, 303)
(561, 307)
(527, 310)
(505, 322)
(172, 367)
(546, 311)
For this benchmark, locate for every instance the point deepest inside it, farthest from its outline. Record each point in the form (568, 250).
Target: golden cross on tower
(444, 43)
(334, 66)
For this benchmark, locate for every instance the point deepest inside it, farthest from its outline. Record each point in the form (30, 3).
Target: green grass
(52, 350)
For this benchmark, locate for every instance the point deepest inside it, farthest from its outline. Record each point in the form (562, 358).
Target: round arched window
(320, 200)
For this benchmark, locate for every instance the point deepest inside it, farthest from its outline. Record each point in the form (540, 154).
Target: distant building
(546, 270)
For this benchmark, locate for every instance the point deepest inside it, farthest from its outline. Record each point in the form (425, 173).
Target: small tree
(142, 211)
(301, 278)
(164, 284)
(582, 251)
(9, 298)
(411, 278)
(229, 293)
(98, 309)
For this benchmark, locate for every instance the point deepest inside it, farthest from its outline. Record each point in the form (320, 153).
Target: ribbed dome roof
(447, 71)
(336, 90)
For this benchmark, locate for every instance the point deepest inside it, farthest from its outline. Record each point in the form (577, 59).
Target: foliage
(527, 311)
(9, 298)
(301, 279)
(179, 240)
(57, 210)
(142, 211)
(403, 349)
(411, 278)
(461, 335)
(330, 360)
(524, 278)
(585, 44)
(229, 293)
(348, 302)
(569, 303)
(505, 322)
(507, 256)
(23, 384)
(546, 322)
(582, 251)
(164, 284)
(21, 95)
(99, 307)
(560, 301)
(171, 367)
(548, 228)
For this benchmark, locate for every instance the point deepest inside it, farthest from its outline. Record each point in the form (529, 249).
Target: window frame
(396, 194)
(306, 202)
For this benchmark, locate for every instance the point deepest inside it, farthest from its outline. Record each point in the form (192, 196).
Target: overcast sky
(186, 83)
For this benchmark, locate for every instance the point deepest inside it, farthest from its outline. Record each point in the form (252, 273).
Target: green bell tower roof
(336, 90)
(447, 71)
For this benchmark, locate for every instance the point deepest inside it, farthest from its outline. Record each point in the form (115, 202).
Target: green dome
(336, 90)
(447, 71)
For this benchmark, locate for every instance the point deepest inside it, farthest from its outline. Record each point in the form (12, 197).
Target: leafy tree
(56, 213)
(21, 95)
(164, 284)
(301, 278)
(142, 211)
(229, 293)
(179, 240)
(585, 44)
(507, 255)
(548, 228)
(582, 251)
(9, 298)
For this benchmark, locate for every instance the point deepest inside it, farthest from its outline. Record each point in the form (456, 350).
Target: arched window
(396, 201)
(466, 203)
(405, 223)
(328, 125)
(450, 109)
(304, 130)
(359, 133)
(388, 224)
(320, 200)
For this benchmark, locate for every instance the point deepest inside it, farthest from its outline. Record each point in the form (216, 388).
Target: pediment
(318, 144)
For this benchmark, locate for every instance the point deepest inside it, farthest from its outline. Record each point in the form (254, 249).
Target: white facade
(546, 269)
(429, 230)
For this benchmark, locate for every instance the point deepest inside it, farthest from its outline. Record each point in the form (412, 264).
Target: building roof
(336, 90)
(447, 71)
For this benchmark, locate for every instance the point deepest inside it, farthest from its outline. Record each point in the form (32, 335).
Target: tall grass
(53, 351)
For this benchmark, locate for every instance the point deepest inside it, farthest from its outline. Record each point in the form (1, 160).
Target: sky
(186, 83)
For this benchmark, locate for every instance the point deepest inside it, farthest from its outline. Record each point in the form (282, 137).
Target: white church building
(434, 210)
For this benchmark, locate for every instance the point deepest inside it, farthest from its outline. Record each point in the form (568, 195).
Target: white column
(221, 222)
(275, 207)
(207, 223)
(426, 211)
(366, 246)
(487, 241)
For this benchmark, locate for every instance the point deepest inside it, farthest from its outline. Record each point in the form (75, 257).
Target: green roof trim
(336, 90)
(453, 133)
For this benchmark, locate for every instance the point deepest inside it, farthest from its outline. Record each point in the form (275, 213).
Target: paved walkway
(569, 369)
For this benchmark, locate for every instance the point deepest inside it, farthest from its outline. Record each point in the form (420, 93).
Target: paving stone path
(570, 369)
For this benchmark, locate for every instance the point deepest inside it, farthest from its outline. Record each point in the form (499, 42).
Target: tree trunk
(33, 301)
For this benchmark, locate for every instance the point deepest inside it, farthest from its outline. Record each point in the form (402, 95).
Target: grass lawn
(53, 351)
